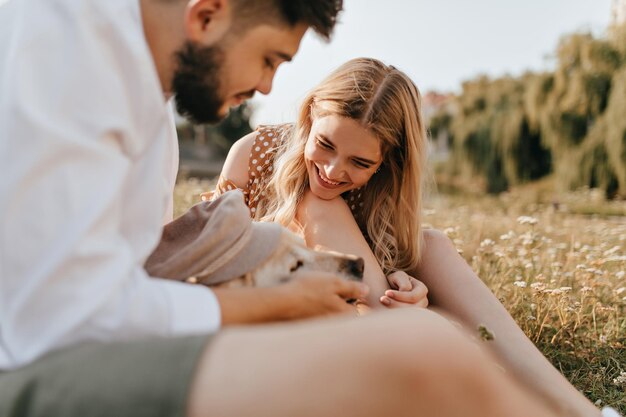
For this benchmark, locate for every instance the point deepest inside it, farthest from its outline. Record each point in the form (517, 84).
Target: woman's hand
(405, 291)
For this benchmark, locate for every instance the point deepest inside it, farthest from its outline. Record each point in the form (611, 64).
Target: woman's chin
(324, 193)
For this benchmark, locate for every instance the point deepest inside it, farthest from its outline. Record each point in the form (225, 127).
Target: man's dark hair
(320, 15)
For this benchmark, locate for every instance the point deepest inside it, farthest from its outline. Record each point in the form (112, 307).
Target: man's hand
(307, 294)
(320, 294)
(406, 292)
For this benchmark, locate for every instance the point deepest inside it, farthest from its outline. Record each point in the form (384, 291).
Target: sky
(438, 43)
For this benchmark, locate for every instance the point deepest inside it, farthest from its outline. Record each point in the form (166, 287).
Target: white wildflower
(527, 220)
(520, 284)
(612, 251)
(527, 239)
(620, 380)
(487, 242)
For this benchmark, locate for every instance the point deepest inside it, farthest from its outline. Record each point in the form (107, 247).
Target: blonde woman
(349, 176)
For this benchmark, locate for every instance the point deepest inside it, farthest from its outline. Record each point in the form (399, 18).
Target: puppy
(291, 255)
(216, 243)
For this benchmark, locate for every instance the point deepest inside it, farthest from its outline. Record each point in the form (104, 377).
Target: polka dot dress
(260, 165)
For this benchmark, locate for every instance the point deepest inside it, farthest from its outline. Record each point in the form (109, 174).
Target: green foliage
(221, 136)
(439, 122)
(231, 129)
(571, 122)
(492, 134)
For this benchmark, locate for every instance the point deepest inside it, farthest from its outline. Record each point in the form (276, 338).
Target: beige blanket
(213, 242)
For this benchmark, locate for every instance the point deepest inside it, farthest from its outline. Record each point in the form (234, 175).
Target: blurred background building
(618, 12)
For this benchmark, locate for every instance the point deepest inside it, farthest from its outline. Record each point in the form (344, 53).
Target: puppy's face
(292, 255)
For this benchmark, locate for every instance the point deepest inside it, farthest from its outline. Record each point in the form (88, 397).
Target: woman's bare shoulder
(256, 145)
(236, 164)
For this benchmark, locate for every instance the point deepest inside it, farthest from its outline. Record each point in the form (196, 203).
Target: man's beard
(196, 83)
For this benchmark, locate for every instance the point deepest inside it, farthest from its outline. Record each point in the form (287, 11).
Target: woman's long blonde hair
(387, 103)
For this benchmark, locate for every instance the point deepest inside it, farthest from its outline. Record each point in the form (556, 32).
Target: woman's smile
(327, 182)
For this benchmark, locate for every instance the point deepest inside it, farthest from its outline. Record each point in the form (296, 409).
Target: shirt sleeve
(77, 219)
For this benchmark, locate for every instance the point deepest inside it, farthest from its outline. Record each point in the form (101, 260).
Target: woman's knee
(436, 240)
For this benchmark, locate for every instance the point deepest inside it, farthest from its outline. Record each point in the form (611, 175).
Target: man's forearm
(253, 305)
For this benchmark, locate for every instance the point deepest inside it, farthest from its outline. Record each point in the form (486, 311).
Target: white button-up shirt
(85, 139)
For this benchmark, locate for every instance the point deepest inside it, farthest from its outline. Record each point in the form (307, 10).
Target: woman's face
(340, 155)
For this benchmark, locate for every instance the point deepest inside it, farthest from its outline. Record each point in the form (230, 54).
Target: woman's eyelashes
(327, 146)
(323, 145)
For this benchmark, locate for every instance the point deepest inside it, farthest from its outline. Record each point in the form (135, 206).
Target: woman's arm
(235, 166)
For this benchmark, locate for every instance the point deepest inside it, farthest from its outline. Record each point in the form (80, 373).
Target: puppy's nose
(355, 267)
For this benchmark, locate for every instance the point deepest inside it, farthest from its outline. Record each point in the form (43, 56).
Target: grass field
(559, 267)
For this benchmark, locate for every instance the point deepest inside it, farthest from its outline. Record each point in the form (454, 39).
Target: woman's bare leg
(398, 363)
(455, 289)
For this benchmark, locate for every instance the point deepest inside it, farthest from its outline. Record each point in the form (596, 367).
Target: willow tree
(571, 121)
(567, 108)
(492, 135)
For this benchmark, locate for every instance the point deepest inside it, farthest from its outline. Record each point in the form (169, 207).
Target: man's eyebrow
(357, 158)
(283, 55)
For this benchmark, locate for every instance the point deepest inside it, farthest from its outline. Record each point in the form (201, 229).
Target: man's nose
(265, 83)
